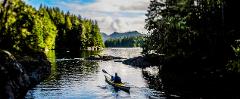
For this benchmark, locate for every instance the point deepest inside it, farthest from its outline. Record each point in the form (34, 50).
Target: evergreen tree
(25, 29)
(189, 28)
(125, 42)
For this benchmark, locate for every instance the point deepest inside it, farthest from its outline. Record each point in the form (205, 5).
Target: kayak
(120, 86)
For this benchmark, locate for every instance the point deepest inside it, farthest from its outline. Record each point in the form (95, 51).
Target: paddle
(106, 72)
(111, 75)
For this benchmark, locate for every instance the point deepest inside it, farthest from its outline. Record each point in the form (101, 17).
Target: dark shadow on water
(189, 86)
(154, 82)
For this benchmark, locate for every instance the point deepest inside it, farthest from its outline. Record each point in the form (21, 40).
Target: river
(74, 78)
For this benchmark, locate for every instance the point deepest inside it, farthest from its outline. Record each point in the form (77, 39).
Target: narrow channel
(75, 78)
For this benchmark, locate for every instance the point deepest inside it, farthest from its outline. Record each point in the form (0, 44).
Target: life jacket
(117, 79)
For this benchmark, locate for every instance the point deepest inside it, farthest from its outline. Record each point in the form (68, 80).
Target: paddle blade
(104, 71)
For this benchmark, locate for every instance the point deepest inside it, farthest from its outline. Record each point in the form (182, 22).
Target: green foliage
(234, 64)
(23, 29)
(18, 26)
(125, 42)
(191, 28)
(75, 33)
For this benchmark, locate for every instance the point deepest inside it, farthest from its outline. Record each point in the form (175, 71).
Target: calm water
(74, 78)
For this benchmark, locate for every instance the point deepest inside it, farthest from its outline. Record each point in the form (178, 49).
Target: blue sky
(112, 15)
(36, 3)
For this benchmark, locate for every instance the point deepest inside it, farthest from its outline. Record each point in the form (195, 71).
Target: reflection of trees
(52, 58)
(77, 67)
(156, 81)
(68, 68)
(153, 79)
(75, 54)
(71, 70)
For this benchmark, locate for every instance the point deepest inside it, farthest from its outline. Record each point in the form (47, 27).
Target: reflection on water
(52, 58)
(62, 54)
(151, 74)
(80, 79)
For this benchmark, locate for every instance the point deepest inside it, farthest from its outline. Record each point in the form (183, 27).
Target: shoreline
(20, 73)
(187, 82)
(144, 61)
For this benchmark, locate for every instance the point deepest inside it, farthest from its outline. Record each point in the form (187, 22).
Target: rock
(16, 76)
(118, 61)
(13, 76)
(104, 58)
(93, 57)
(140, 61)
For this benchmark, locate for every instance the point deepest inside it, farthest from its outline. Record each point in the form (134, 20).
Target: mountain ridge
(117, 35)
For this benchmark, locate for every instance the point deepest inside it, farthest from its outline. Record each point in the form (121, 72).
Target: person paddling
(116, 79)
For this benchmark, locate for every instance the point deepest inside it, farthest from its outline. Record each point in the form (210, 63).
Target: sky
(112, 15)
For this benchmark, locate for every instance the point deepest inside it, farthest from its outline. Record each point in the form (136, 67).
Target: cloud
(141, 6)
(121, 25)
(112, 15)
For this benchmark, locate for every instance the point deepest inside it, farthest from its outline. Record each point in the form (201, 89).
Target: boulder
(104, 57)
(15, 79)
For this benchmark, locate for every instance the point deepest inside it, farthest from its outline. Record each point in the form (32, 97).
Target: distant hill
(105, 36)
(126, 34)
(117, 35)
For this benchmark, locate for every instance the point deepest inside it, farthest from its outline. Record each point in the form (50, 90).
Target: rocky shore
(139, 61)
(181, 77)
(104, 58)
(19, 73)
(144, 61)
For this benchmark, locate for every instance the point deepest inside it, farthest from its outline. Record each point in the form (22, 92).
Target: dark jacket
(117, 79)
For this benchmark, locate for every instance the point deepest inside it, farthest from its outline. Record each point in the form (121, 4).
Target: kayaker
(117, 79)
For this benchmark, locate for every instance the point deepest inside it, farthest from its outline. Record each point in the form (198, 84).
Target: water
(74, 78)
